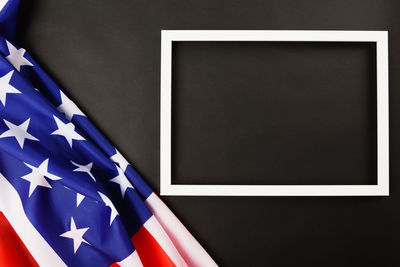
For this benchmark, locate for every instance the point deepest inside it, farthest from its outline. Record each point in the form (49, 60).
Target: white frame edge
(382, 186)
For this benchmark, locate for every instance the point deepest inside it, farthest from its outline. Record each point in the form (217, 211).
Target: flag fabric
(67, 195)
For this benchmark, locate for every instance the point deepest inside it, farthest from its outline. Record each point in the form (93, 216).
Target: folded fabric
(71, 197)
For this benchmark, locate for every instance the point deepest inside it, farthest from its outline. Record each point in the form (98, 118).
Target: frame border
(381, 40)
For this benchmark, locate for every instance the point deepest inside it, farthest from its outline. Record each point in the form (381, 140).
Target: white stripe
(11, 206)
(132, 260)
(156, 230)
(191, 251)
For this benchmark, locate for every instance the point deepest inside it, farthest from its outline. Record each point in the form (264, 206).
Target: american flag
(68, 195)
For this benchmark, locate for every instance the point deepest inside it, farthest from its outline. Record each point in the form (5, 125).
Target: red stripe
(150, 252)
(13, 252)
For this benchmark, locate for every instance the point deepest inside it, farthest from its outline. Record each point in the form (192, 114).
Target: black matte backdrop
(273, 113)
(106, 55)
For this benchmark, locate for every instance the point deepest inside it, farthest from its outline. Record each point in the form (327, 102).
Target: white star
(20, 132)
(67, 130)
(76, 234)
(122, 181)
(84, 168)
(108, 203)
(37, 176)
(118, 158)
(79, 197)
(6, 87)
(16, 57)
(68, 107)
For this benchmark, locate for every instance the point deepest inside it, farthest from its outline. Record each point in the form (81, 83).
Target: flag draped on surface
(67, 196)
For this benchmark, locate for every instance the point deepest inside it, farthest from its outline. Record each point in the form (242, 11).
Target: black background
(274, 113)
(106, 56)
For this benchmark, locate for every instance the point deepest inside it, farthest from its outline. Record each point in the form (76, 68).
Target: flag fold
(67, 196)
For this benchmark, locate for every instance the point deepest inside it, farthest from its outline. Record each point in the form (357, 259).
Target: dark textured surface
(274, 113)
(106, 55)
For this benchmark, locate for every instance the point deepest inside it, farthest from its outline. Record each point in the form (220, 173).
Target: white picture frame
(381, 40)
